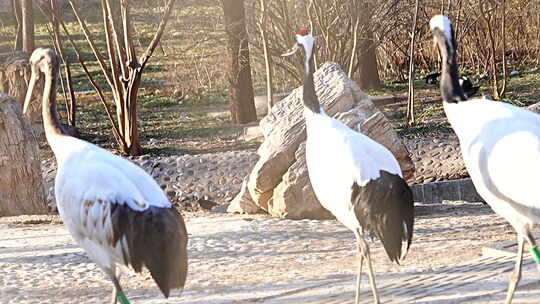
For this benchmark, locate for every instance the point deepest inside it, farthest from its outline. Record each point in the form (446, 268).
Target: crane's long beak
(31, 85)
(292, 51)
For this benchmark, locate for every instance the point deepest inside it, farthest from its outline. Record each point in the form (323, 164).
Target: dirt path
(243, 259)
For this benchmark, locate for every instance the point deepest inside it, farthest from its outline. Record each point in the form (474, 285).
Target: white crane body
(500, 144)
(357, 179)
(337, 157)
(113, 209)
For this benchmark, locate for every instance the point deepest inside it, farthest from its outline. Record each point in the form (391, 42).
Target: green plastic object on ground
(122, 298)
(535, 254)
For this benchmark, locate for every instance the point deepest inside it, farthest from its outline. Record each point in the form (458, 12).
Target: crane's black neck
(51, 122)
(451, 90)
(311, 101)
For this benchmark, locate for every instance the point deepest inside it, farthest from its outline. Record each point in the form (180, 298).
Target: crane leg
(359, 275)
(118, 293)
(114, 295)
(363, 249)
(516, 274)
(534, 250)
(372, 279)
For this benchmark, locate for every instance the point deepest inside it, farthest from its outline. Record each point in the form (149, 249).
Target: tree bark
(238, 66)
(368, 71)
(492, 49)
(27, 25)
(125, 72)
(21, 188)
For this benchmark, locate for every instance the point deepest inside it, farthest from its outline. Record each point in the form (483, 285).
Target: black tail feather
(385, 207)
(156, 238)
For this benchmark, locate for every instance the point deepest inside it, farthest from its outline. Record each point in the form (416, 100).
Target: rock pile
(279, 182)
(191, 181)
(436, 159)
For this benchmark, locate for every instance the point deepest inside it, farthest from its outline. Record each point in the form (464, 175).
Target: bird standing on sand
(500, 144)
(354, 177)
(113, 209)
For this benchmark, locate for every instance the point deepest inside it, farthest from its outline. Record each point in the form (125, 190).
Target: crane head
(41, 61)
(304, 40)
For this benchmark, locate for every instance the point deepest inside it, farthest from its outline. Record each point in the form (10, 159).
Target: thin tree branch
(90, 39)
(157, 37)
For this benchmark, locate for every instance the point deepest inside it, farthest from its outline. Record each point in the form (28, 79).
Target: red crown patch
(303, 32)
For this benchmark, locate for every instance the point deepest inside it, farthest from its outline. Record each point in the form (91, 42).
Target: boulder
(14, 76)
(243, 203)
(279, 183)
(296, 188)
(21, 186)
(261, 103)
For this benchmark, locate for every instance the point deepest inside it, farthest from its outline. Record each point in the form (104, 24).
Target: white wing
(337, 157)
(347, 147)
(88, 184)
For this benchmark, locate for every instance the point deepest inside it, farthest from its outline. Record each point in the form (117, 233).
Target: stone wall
(187, 180)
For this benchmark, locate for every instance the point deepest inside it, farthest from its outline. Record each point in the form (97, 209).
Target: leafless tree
(124, 69)
(238, 63)
(347, 32)
(27, 25)
(50, 9)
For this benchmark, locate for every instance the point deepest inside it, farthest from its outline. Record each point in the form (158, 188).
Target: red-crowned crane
(113, 209)
(500, 144)
(354, 177)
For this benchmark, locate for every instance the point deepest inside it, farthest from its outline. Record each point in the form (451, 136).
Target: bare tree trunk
(27, 25)
(410, 100)
(368, 72)
(493, 51)
(538, 34)
(21, 185)
(124, 74)
(238, 65)
(17, 12)
(354, 45)
(267, 58)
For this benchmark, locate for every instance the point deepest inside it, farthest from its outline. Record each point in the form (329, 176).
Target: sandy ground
(247, 259)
